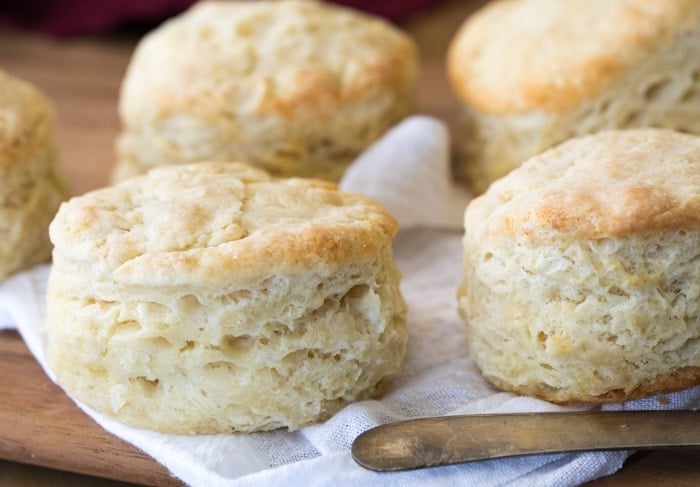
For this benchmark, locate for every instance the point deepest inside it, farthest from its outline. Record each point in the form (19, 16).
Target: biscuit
(297, 88)
(211, 297)
(31, 187)
(534, 73)
(581, 279)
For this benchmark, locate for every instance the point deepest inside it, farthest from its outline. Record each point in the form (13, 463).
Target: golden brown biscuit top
(263, 57)
(214, 223)
(22, 111)
(523, 55)
(612, 184)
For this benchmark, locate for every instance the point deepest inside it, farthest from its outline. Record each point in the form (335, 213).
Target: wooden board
(39, 425)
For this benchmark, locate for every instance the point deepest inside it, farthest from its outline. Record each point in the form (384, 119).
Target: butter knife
(430, 442)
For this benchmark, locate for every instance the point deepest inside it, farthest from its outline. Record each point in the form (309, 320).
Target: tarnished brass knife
(430, 442)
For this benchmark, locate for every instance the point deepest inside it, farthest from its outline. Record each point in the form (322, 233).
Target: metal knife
(429, 442)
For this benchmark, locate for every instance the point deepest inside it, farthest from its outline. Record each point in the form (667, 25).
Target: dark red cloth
(395, 10)
(84, 17)
(80, 17)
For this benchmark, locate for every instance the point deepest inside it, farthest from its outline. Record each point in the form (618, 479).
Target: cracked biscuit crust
(199, 224)
(612, 184)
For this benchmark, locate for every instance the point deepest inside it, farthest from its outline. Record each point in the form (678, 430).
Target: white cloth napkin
(408, 170)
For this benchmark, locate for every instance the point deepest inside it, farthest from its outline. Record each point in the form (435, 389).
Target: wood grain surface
(39, 425)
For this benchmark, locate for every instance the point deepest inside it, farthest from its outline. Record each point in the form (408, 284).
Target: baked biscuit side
(585, 321)
(284, 352)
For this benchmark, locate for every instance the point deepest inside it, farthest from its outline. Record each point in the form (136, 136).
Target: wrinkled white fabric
(438, 377)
